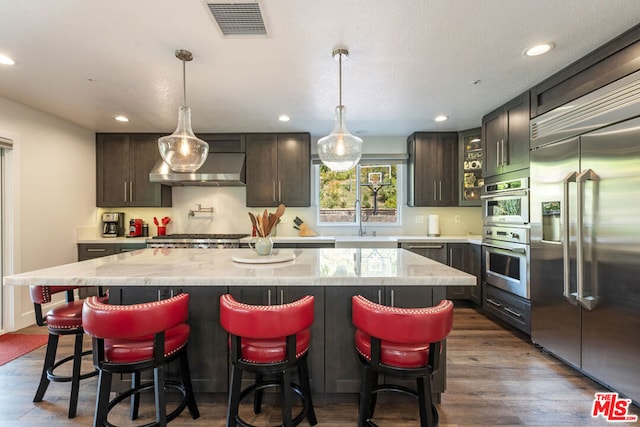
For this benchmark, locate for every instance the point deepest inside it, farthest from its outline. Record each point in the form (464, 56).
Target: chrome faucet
(358, 207)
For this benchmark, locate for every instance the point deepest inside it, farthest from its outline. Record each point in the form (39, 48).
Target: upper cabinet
(505, 134)
(278, 169)
(471, 159)
(123, 163)
(432, 169)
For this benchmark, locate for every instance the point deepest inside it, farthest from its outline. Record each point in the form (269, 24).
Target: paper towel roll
(434, 226)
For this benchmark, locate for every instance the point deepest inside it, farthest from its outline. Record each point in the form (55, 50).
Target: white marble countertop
(317, 239)
(215, 267)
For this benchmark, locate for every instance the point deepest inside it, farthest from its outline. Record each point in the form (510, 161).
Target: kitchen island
(388, 276)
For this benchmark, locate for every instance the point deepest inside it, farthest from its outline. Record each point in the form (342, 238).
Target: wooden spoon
(253, 220)
(265, 223)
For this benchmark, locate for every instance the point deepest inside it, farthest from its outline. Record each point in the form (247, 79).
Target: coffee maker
(113, 224)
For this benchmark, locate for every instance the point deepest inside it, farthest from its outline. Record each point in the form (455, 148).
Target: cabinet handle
(279, 191)
(508, 310)
(269, 297)
(281, 296)
(450, 263)
(380, 296)
(435, 192)
(440, 190)
(131, 191)
(159, 295)
(393, 298)
(502, 163)
(490, 301)
(96, 249)
(125, 191)
(426, 246)
(171, 293)
(274, 191)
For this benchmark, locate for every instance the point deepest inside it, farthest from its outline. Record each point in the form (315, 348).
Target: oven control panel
(507, 234)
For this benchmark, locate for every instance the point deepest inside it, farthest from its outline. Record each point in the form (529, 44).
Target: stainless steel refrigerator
(585, 235)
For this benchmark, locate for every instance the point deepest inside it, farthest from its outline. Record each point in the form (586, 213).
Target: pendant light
(182, 150)
(340, 151)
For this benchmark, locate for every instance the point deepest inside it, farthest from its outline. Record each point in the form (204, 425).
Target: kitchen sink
(366, 242)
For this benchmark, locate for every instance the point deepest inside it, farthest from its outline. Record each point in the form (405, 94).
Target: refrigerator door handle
(588, 302)
(566, 262)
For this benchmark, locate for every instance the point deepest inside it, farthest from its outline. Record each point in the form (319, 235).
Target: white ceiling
(88, 60)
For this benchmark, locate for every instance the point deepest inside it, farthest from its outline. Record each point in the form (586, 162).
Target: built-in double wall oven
(505, 239)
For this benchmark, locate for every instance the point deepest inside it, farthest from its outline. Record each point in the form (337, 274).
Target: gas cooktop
(202, 236)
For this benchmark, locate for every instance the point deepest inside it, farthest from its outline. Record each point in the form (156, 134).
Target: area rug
(13, 346)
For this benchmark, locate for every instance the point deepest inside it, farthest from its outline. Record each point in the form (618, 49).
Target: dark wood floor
(495, 378)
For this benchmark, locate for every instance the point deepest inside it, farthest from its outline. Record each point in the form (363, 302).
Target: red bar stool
(64, 319)
(400, 342)
(138, 337)
(269, 340)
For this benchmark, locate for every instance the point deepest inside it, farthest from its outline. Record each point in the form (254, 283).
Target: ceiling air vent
(238, 19)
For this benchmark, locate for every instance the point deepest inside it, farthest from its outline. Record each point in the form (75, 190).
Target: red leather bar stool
(399, 342)
(135, 338)
(65, 319)
(269, 341)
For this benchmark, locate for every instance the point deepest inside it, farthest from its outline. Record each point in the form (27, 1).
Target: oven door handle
(520, 193)
(516, 250)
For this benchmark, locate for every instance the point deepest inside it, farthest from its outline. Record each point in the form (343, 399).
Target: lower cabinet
(208, 360)
(270, 295)
(468, 258)
(461, 256)
(97, 250)
(342, 368)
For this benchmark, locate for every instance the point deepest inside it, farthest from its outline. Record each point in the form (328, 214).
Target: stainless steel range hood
(220, 169)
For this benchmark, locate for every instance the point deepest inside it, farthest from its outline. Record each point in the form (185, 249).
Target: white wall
(55, 177)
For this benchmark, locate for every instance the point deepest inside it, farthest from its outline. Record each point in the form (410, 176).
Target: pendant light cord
(340, 77)
(184, 82)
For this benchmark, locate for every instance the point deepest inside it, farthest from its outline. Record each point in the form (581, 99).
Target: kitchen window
(365, 195)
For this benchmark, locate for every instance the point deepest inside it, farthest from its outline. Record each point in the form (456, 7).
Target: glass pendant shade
(340, 151)
(182, 150)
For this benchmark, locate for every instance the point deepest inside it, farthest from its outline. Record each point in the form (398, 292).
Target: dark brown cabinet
(123, 163)
(278, 170)
(461, 256)
(434, 251)
(432, 178)
(466, 257)
(505, 135)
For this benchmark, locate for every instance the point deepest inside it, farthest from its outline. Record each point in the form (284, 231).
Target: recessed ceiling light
(440, 118)
(539, 49)
(122, 118)
(5, 60)
(284, 118)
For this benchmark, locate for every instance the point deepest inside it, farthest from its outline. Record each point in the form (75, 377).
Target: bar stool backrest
(403, 325)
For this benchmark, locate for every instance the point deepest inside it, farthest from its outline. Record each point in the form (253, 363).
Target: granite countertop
(215, 267)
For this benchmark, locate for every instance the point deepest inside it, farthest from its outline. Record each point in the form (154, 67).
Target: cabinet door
(97, 250)
(208, 345)
(516, 155)
(471, 159)
(460, 258)
(493, 135)
(316, 350)
(433, 169)
(342, 368)
(261, 170)
(294, 167)
(112, 170)
(143, 154)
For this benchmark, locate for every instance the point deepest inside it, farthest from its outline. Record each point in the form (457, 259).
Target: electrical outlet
(284, 219)
(456, 219)
(419, 219)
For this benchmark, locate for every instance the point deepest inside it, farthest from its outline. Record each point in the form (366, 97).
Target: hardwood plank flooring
(496, 377)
